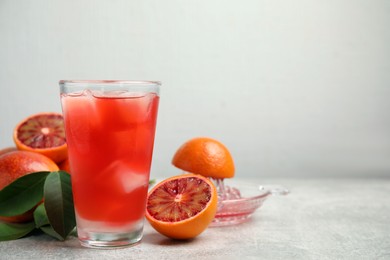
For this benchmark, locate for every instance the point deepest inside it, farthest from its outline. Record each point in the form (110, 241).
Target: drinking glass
(110, 128)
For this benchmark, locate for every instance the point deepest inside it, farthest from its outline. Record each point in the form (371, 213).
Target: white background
(293, 88)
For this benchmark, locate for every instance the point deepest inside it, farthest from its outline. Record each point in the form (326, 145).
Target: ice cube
(123, 112)
(132, 180)
(122, 178)
(81, 120)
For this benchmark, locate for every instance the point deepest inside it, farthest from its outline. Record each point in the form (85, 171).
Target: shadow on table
(158, 239)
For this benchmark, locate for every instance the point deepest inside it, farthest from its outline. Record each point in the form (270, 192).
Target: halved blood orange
(205, 156)
(42, 133)
(182, 207)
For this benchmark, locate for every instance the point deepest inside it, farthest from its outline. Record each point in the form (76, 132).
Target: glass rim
(109, 82)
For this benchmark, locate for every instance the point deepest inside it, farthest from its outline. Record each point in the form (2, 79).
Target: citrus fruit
(42, 133)
(205, 156)
(25, 217)
(183, 206)
(7, 150)
(16, 164)
(64, 165)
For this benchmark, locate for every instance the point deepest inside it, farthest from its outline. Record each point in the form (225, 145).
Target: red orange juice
(110, 136)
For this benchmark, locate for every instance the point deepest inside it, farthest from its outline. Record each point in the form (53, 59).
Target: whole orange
(205, 156)
(7, 150)
(16, 164)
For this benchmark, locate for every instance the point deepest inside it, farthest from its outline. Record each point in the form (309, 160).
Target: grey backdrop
(293, 88)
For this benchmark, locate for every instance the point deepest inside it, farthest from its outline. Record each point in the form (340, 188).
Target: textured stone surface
(319, 219)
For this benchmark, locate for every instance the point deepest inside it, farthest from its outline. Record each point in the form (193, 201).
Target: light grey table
(319, 219)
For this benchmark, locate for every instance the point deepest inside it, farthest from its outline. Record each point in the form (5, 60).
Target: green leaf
(51, 232)
(59, 203)
(22, 194)
(40, 216)
(11, 231)
(42, 222)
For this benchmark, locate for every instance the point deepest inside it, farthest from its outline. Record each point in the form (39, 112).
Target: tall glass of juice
(110, 128)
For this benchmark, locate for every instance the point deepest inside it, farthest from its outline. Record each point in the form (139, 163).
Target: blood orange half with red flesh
(42, 133)
(183, 206)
